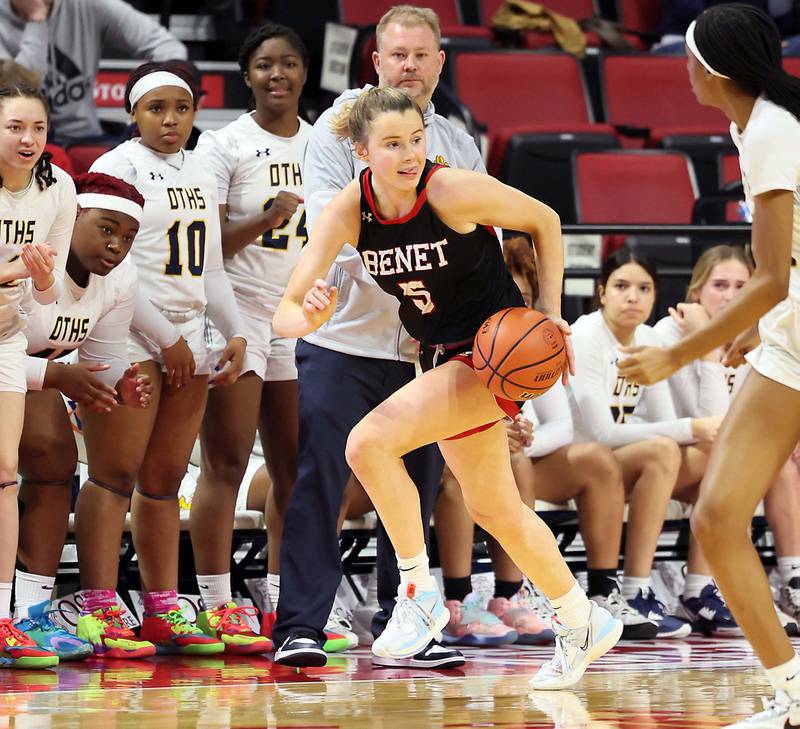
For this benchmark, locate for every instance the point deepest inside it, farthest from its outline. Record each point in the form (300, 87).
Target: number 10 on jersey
(195, 238)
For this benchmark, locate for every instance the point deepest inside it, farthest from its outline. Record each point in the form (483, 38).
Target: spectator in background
(64, 40)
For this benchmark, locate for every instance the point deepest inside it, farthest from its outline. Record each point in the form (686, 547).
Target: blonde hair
(521, 261)
(705, 265)
(409, 15)
(13, 74)
(354, 120)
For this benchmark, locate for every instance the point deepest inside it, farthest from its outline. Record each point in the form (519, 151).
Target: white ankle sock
(415, 571)
(215, 590)
(695, 584)
(5, 600)
(574, 608)
(786, 677)
(788, 568)
(273, 589)
(632, 585)
(30, 589)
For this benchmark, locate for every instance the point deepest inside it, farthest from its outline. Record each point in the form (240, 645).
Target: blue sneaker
(669, 626)
(417, 619)
(708, 614)
(46, 634)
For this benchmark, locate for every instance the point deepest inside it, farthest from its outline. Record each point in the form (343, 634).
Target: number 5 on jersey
(195, 241)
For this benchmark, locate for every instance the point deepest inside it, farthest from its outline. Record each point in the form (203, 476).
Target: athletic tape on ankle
(157, 497)
(116, 490)
(30, 482)
(6, 484)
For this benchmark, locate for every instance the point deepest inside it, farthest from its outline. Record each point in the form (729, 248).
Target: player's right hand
(179, 363)
(283, 207)
(78, 383)
(319, 303)
(520, 433)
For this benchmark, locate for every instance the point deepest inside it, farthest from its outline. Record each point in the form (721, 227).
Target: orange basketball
(519, 353)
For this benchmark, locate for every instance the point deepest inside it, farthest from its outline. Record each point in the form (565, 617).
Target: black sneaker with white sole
(434, 656)
(302, 650)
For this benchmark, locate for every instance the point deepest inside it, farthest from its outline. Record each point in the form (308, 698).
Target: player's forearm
(238, 235)
(550, 264)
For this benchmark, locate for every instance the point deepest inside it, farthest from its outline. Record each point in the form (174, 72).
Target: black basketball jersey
(448, 283)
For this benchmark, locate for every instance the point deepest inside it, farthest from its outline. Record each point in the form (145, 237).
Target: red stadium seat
(369, 12)
(641, 15)
(82, 155)
(653, 92)
(729, 174)
(60, 158)
(634, 187)
(651, 96)
(542, 96)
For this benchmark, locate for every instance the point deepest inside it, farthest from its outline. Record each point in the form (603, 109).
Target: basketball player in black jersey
(422, 232)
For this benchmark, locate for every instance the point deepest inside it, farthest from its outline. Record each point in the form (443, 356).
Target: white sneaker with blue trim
(577, 648)
(417, 619)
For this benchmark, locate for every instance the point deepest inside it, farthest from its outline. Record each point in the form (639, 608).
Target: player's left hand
(230, 363)
(133, 389)
(647, 365)
(747, 341)
(689, 317)
(39, 260)
(569, 368)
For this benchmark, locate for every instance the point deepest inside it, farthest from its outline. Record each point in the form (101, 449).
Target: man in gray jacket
(354, 362)
(64, 40)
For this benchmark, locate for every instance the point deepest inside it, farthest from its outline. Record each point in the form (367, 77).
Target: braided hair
(43, 170)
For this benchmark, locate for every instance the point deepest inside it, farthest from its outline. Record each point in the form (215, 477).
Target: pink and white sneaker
(530, 628)
(472, 625)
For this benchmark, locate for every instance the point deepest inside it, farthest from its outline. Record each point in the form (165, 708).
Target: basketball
(519, 353)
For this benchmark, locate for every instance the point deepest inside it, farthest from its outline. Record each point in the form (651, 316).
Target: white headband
(111, 202)
(690, 41)
(153, 81)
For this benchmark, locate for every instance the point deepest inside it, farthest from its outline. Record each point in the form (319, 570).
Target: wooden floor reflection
(698, 683)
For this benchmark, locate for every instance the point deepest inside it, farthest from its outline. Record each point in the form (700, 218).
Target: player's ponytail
(743, 43)
(43, 170)
(354, 119)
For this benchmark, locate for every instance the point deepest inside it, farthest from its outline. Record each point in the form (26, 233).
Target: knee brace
(156, 497)
(116, 490)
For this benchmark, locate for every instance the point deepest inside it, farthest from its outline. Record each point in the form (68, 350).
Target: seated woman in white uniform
(92, 316)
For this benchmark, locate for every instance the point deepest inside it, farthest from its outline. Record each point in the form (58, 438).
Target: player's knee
(600, 466)
(50, 459)
(8, 467)
(225, 466)
(713, 521)
(663, 455)
(362, 447)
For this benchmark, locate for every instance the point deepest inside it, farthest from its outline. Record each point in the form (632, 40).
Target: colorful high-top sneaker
(108, 635)
(46, 634)
(17, 650)
(171, 632)
(228, 624)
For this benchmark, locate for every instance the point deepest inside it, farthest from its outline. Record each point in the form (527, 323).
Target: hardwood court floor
(696, 683)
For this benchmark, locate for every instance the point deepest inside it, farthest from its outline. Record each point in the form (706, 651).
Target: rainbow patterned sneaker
(17, 650)
(110, 637)
(171, 632)
(227, 624)
(46, 634)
